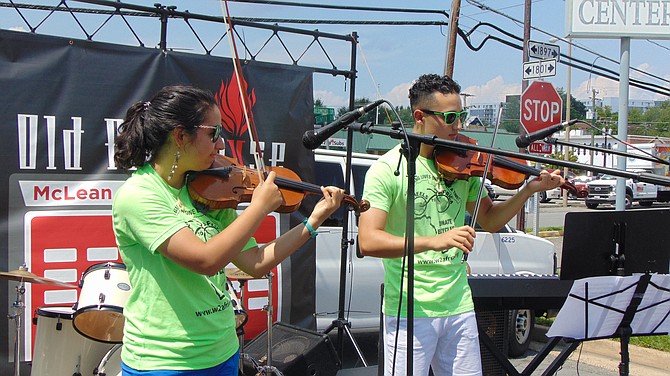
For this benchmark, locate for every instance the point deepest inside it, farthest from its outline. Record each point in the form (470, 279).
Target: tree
(561, 156)
(381, 114)
(359, 102)
(511, 114)
(577, 107)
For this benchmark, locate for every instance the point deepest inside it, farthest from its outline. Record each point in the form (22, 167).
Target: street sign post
(541, 106)
(540, 50)
(539, 69)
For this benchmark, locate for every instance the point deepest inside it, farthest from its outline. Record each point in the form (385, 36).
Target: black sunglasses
(218, 129)
(450, 116)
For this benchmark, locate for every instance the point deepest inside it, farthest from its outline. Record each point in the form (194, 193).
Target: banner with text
(62, 102)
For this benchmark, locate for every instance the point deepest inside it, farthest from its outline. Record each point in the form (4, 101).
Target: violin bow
(489, 159)
(237, 68)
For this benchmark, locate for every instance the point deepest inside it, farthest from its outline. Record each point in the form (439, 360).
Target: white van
(506, 252)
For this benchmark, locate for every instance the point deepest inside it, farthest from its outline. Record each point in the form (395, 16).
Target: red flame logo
(233, 117)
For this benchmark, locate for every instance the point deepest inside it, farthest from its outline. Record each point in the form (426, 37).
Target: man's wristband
(312, 232)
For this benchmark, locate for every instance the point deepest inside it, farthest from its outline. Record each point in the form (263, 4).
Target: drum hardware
(100, 369)
(22, 275)
(268, 368)
(18, 307)
(241, 316)
(240, 330)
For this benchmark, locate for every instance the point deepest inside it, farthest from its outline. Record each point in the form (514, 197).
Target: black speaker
(495, 325)
(295, 351)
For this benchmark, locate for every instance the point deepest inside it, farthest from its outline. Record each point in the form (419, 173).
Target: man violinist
(445, 329)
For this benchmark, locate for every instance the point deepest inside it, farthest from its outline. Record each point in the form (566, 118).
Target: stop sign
(541, 106)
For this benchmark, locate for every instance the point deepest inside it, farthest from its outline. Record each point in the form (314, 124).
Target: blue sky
(390, 57)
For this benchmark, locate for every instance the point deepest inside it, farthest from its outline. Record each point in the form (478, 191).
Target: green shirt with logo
(440, 279)
(174, 318)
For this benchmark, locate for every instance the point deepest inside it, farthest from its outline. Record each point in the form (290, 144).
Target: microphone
(527, 139)
(312, 139)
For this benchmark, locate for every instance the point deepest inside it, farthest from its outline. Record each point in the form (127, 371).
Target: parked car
(506, 252)
(580, 183)
(503, 193)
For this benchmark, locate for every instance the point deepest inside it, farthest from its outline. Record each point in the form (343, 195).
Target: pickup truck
(603, 191)
(504, 253)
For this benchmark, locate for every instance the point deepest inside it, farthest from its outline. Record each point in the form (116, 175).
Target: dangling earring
(174, 165)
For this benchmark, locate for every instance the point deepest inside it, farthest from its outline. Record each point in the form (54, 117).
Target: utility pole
(465, 100)
(593, 120)
(451, 41)
(521, 217)
(568, 99)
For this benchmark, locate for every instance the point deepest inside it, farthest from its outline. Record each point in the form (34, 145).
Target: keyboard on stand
(518, 291)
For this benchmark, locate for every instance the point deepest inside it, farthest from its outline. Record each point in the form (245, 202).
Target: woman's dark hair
(428, 84)
(147, 124)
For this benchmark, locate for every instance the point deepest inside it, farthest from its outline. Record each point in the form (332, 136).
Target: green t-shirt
(174, 318)
(440, 279)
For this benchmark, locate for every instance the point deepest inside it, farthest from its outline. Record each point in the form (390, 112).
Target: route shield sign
(540, 50)
(539, 69)
(541, 106)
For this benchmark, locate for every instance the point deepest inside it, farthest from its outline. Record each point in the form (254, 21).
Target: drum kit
(85, 338)
(75, 340)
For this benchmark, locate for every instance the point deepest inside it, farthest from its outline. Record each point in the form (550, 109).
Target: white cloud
(606, 87)
(398, 96)
(18, 28)
(492, 91)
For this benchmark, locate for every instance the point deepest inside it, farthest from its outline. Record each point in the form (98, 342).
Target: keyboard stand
(509, 368)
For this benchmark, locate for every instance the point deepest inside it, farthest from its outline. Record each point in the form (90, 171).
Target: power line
(487, 8)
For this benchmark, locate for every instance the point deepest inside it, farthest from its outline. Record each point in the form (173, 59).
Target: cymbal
(236, 273)
(26, 276)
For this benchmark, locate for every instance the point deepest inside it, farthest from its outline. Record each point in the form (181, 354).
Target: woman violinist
(179, 319)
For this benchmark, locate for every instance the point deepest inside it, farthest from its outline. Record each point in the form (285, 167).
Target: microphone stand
(341, 323)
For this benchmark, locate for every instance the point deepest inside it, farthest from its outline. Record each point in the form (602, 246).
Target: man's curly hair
(428, 84)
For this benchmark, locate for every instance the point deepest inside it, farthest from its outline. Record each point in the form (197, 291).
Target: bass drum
(59, 350)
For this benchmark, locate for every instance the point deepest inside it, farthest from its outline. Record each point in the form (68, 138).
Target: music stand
(611, 256)
(615, 243)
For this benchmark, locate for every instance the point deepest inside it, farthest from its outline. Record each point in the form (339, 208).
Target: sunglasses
(450, 116)
(218, 129)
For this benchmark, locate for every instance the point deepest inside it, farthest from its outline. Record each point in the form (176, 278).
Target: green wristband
(312, 232)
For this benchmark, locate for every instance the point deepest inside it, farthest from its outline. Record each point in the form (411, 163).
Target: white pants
(449, 344)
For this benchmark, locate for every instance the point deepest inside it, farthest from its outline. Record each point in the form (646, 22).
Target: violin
(227, 184)
(509, 173)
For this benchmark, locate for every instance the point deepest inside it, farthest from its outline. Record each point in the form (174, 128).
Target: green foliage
(383, 116)
(511, 112)
(577, 107)
(360, 102)
(572, 157)
(655, 121)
